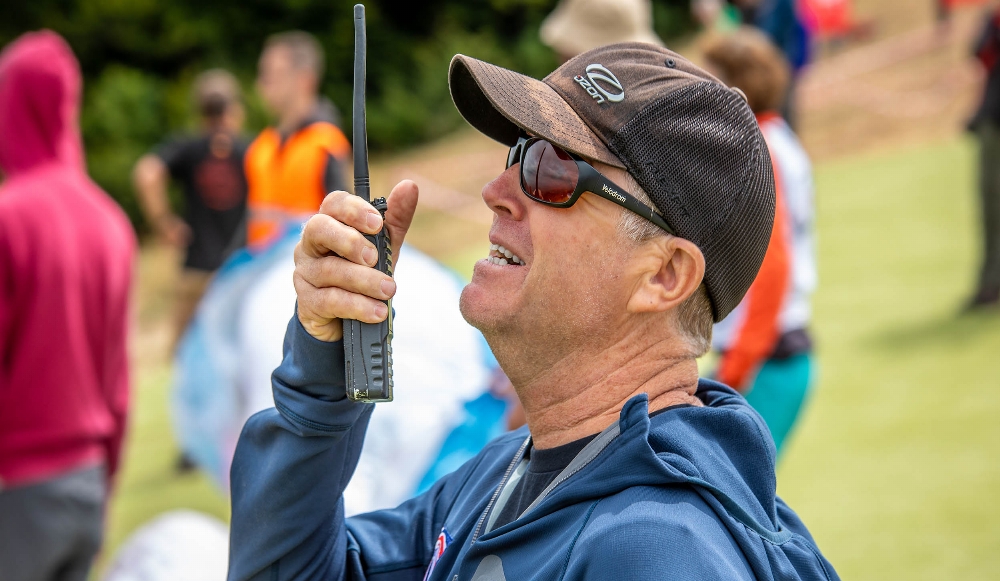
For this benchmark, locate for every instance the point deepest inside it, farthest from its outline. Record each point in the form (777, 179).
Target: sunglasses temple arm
(592, 181)
(657, 219)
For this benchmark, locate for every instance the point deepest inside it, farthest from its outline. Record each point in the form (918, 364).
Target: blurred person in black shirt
(209, 168)
(986, 124)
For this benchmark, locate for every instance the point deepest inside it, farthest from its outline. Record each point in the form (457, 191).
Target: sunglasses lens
(548, 174)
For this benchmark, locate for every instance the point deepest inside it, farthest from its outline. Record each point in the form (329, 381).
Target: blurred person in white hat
(576, 26)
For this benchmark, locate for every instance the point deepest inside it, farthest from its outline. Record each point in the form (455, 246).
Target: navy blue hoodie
(687, 494)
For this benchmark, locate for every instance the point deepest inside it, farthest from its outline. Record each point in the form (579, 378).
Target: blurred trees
(140, 56)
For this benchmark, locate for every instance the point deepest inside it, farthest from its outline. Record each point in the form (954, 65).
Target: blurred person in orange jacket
(209, 167)
(67, 254)
(986, 125)
(292, 166)
(765, 346)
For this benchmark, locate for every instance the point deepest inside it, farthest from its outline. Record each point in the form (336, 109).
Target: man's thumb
(402, 203)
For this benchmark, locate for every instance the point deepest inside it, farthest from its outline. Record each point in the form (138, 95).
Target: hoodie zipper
(503, 482)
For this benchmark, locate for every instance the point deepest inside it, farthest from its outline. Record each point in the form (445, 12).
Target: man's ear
(669, 270)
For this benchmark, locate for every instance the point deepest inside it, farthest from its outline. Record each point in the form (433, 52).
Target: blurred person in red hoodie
(66, 264)
(764, 345)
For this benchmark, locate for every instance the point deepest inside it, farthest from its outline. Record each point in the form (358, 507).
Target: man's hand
(172, 230)
(150, 178)
(334, 278)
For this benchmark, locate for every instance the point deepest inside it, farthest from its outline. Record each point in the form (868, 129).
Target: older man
(635, 210)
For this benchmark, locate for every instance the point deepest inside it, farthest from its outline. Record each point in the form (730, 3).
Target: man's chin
(480, 309)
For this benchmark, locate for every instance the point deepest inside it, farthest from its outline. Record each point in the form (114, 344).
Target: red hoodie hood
(39, 104)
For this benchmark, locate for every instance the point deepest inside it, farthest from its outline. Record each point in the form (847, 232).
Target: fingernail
(388, 287)
(374, 220)
(370, 255)
(381, 310)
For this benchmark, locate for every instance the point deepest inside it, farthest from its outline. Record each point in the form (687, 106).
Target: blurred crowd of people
(68, 253)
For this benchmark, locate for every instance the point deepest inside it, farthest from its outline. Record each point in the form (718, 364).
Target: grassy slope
(895, 462)
(149, 485)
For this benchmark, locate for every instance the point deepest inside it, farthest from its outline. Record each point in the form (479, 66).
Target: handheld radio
(367, 347)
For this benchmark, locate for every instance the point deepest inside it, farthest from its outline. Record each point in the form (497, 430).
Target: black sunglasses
(555, 177)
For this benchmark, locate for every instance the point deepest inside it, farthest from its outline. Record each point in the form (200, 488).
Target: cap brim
(502, 104)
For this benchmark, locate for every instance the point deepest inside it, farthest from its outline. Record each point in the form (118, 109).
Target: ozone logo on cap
(601, 84)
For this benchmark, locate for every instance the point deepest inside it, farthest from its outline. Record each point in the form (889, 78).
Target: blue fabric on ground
(205, 402)
(779, 392)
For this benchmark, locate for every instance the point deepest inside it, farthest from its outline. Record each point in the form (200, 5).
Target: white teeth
(500, 253)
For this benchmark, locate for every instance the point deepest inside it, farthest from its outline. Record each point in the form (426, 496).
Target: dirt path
(907, 88)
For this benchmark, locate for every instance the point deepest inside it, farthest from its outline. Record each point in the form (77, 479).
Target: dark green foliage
(139, 57)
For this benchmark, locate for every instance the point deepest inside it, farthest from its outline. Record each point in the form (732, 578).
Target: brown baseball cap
(691, 143)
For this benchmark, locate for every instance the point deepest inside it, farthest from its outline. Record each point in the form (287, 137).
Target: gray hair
(694, 315)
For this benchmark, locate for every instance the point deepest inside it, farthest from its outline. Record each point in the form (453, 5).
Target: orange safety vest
(285, 180)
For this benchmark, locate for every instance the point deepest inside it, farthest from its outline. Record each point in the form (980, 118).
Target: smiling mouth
(500, 256)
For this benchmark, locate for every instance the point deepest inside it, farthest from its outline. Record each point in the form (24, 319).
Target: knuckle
(326, 303)
(364, 309)
(332, 200)
(352, 244)
(332, 271)
(313, 225)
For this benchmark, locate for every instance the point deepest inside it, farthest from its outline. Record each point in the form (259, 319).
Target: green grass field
(895, 464)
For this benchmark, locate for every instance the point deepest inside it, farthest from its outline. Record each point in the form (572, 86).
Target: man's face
(278, 80)
(573, 286)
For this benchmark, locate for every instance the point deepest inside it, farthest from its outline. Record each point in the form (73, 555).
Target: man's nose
(503, 195)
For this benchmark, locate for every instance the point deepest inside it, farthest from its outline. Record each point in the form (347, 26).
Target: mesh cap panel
(700, 156)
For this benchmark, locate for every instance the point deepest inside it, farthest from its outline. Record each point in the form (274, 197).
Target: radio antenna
(362, 185)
